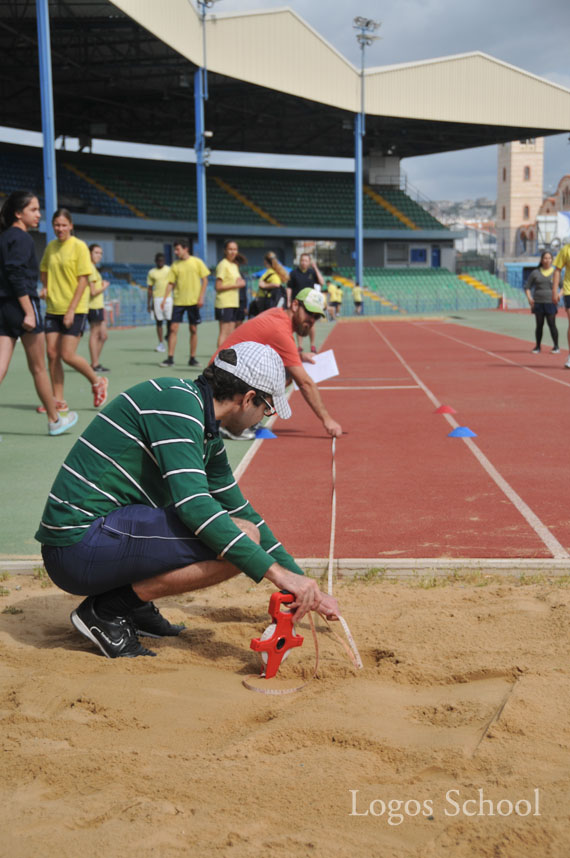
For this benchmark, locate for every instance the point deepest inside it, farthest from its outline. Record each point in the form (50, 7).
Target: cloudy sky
(526, 33)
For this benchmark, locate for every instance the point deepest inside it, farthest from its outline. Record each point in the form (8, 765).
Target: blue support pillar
(358, 218)
(50, 175)
(199, 147)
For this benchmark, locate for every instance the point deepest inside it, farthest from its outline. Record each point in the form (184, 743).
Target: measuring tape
(279, 637)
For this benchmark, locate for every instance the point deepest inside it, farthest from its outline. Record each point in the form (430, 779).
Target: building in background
(519, 198)
(553, 220)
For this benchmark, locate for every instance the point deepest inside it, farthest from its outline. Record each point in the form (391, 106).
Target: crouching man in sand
(146, 505)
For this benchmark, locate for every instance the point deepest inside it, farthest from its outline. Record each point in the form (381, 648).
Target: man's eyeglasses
(269, 410)
(315, 316)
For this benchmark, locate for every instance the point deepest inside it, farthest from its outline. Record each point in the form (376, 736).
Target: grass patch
(4, 591)
(468, 578)
(430, 582)
(42, 576)
(5, 576)
(538, 578)
(371, 575)
(11, 609)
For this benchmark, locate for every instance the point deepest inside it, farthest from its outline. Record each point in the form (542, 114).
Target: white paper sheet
(324, 367)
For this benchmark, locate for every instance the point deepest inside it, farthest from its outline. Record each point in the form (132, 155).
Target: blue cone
(461, 432)
(264, 433)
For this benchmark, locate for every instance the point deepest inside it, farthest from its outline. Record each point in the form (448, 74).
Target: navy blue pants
(128, 545)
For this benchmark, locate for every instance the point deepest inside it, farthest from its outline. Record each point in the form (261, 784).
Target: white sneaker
(160, 348)
(567, 364)
(65, 422)
(535, 352)
(246, 435)
(556, 351)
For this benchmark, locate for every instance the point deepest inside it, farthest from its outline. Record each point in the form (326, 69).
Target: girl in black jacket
(19, 303)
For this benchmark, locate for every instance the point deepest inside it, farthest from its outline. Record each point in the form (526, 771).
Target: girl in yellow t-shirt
(228, 284)
(96, 314)
(273, 278)
(65, 268)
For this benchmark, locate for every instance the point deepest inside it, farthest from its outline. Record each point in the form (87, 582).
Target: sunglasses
(269, 410)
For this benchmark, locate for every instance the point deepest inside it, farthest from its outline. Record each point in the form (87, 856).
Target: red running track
(404, 488)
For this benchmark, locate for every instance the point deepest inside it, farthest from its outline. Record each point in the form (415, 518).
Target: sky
(524, 33)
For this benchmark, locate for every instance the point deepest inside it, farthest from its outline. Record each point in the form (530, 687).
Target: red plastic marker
(445, 409)
(283, 638)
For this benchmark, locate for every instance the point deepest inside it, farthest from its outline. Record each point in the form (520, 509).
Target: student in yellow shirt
(96, 315)
(563, 261)
(332, 301)
(65, 268)
(271, 284)
(228, 284)
(188, 278)
(157, 281)
(357, 295)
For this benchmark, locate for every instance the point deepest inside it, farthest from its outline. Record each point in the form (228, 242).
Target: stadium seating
(423, 290)
(513, 296)
(23, 168)
(165, 190)
(416, 213)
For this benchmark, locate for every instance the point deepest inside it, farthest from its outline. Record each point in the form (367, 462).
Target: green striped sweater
(151, 446)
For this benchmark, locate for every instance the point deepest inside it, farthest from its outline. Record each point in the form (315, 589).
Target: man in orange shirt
(276, 328)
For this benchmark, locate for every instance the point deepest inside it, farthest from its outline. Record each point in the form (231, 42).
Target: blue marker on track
(461, 432)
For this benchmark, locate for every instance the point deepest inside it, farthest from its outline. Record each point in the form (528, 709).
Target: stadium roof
(124, 71)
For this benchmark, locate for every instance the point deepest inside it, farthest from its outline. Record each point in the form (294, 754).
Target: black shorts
(193, 311)
(95, 317)
(545, 308)
(54, 324)
(227, 314)
(12, 316)
(566, 301)
(240, 314)
(358, 303)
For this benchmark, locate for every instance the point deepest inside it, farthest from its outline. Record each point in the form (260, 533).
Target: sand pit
(171, 756)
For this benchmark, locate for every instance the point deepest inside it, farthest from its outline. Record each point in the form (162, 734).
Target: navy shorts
(128, 545)
(54, 324)
(193, 311)
(566, 301)
(95, 317)
(545, 308)
(12, 316)
(226, 314)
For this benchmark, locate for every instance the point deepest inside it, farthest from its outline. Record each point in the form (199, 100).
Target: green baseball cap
(311, 300)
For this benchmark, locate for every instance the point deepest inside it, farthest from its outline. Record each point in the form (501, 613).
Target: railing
(402, 183)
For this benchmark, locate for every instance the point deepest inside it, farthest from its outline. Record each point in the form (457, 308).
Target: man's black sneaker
(149, 622)
(115, 638)
(100, 368)
(169, 361)
(193, 362)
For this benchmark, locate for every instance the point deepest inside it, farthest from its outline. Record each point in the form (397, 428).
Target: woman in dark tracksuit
(19, 304)
(538, 290)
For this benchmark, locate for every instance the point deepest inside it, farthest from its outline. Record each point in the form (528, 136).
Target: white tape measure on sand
(351, 649)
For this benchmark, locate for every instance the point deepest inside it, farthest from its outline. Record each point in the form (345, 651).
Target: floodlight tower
(366, 28)
(201, 135)
(48, 133)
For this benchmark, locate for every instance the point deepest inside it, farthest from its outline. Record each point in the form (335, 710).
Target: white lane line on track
(495, 355)
(371, 387)
(556, 549)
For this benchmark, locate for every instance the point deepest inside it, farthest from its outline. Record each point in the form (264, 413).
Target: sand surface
(172, 756)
